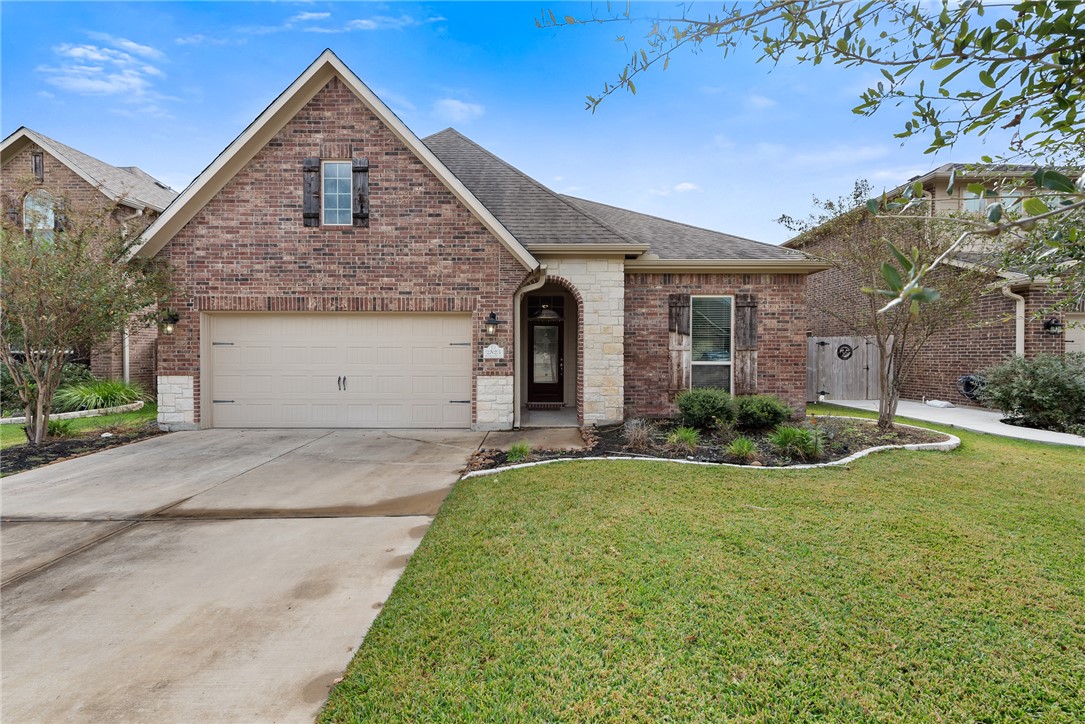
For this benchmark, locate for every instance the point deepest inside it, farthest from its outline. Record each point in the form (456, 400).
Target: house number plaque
(493, 352)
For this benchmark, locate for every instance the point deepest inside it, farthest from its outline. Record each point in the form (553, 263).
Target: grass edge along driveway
(911, 586)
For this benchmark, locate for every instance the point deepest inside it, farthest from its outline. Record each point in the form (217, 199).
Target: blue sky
(726, 145)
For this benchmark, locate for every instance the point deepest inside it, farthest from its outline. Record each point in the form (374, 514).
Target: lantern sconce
(491, 323)
(169, 321)
(1053, 327)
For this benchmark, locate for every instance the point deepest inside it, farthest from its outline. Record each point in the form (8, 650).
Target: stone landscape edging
(945, 446)
(130, 407)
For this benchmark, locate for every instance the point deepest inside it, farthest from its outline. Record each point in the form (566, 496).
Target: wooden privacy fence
(842, 368)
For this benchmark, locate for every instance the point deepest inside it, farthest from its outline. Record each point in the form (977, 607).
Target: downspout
(1019, 320)
(520, 361)
(127, 357)
(126, 365)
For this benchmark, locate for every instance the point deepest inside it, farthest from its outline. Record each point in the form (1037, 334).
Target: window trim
(323, 196)
(692, 340)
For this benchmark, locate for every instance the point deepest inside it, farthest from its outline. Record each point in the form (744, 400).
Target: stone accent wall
(494, 403)
(176, 403)
(248, 250)
(781, 335)
(601, 334)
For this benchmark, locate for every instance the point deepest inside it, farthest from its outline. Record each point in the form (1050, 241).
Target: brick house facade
(442, 239)
(985, 333)
(33, 163)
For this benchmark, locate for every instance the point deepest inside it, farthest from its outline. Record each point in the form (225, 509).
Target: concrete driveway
(221, 575)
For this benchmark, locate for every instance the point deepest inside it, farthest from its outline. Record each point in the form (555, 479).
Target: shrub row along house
(1012, 314)
(42, 179)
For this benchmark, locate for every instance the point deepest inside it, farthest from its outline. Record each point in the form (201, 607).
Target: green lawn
(13, 434)
(914, 586)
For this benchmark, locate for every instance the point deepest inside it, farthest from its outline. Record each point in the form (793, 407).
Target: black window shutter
(360, 197)
(310, 171)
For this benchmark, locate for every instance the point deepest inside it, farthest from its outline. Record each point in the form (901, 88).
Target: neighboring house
(58, 175)
(1006, 320)
(337, 271)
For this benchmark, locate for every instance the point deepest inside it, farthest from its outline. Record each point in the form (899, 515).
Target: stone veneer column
(601, 283)
(176, 403)
(493, 403)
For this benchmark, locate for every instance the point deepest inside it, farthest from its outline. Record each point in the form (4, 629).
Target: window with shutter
(711, 324)
(37, 165)
(335, 193)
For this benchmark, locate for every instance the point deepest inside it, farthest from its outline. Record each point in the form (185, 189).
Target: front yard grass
(915, 586)
(12, 434)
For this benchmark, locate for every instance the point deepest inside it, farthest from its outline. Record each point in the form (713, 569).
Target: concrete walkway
(212, 576)
(968, 418)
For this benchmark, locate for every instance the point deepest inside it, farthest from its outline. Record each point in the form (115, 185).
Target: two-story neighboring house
(1005, 321)
(38, 175)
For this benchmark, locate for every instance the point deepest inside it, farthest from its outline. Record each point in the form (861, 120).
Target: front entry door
(546, 366)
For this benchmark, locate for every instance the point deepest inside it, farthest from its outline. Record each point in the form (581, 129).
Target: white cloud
(755, 102)
(201, 39)
(457, 111)
(679, 188)
(144, 51)
(302, 17)
(117, 67)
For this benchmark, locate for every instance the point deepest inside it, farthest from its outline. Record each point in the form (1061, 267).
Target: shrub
(73, 373)
(684, 439)
(61, 428)
(705, 407)
(638, 435)
(1046, 392)
(798, 442)
(742, 448)
(98, 394)
(518, 452)
(758, 412)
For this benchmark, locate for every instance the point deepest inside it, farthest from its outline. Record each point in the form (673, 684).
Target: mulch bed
(843, 437)
(20, 458)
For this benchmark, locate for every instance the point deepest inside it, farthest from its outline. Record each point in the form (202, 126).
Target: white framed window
(39, 214)
(712, 323)
(1009, 197)
(335, 193)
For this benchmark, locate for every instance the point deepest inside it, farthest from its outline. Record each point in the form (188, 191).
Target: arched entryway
(551, 338)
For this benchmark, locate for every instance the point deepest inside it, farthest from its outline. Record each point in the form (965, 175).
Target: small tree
(65, 286)
(865, 249)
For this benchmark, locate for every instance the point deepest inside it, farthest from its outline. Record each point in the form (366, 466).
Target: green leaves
(1054, 181)
(1034, 206)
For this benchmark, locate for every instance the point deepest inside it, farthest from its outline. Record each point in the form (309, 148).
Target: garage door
(340, 370)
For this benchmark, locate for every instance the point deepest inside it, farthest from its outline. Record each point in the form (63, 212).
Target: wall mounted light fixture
(491, 323)
(168, 322)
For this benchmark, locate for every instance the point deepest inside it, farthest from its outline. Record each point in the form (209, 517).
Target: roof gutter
(710, 266)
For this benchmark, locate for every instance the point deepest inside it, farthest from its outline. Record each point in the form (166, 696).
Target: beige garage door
(340, 370)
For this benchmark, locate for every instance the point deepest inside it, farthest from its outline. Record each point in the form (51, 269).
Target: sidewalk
(967, 418)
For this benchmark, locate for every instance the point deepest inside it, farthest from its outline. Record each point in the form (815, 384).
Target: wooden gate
(842, 368)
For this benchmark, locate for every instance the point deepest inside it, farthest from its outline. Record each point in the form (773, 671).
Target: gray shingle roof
(675, 240)
(129, 183)
(537, 215)
(533, 213)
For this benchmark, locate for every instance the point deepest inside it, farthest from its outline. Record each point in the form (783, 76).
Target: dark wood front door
(546, 363)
